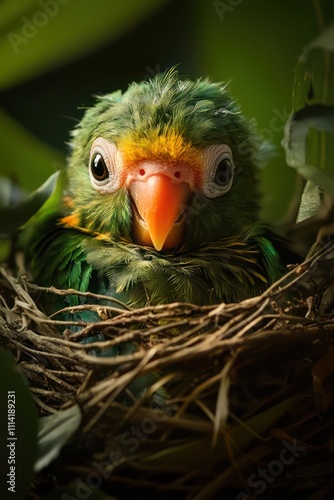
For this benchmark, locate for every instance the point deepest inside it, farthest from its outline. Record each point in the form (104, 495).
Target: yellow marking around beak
(169, 146)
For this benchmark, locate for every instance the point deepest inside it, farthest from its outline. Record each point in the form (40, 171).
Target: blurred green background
(56, 54)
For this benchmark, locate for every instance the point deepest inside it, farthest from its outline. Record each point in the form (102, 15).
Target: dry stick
(54, 378)
(49, 393)
(133, 358)
(40, 403)
(197, 392)
(221, 308)
(300, 270)
(122, 314)
(251, 324)
(17, 287)
(87, 331)
(72, 291)
(218, 348)
(45, 341)
(9, 313)
(222, 409)
(99, 297)
(128, 378)
(227, 330)
(216, 312)
(123, 335)
(205, 410)
(149, 392)
(119, 360)
(36, 352)
(85, 307)
(64, 373)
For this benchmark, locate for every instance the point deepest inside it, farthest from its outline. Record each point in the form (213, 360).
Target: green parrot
(159, 202)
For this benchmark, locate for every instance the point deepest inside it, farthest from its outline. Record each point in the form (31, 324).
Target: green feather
(226, 254)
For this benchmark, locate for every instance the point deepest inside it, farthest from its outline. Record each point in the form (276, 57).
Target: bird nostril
(177, 174)
(141, 171)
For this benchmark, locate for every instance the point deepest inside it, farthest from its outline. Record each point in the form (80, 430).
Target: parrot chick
(161, 200)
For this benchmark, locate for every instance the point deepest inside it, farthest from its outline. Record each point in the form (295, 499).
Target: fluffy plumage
(88, 242)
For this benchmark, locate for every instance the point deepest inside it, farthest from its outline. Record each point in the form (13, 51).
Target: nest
(239, 405)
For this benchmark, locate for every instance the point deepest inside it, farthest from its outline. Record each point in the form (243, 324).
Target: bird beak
(158, 204)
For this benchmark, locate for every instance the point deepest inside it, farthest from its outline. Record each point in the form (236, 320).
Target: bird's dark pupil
(99, 168)
(223, 172)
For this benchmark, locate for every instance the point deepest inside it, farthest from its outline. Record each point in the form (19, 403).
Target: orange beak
(158, 204)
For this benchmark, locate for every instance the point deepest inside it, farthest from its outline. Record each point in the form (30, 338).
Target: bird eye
(105, 164)
(218, 169)
(224, 172)
(98, 168)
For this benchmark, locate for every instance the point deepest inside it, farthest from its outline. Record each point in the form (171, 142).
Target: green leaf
(5, 248)
(53, 434)
(9, 193)
(13, 217)
(297, 144)
(18, 424)
(24, 159)
(11, 11)
(308, 140)
(310, 201)
(190, 456)
(324, 41)
(38, 36)
(50, 207)
(314, 73)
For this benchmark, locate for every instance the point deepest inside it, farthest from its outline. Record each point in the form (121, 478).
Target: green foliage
(37, 36)
(309, 133)
(54, 431)
(25, 159)
(13, 217)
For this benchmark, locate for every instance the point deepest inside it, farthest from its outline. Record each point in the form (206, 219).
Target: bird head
(170, 164)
